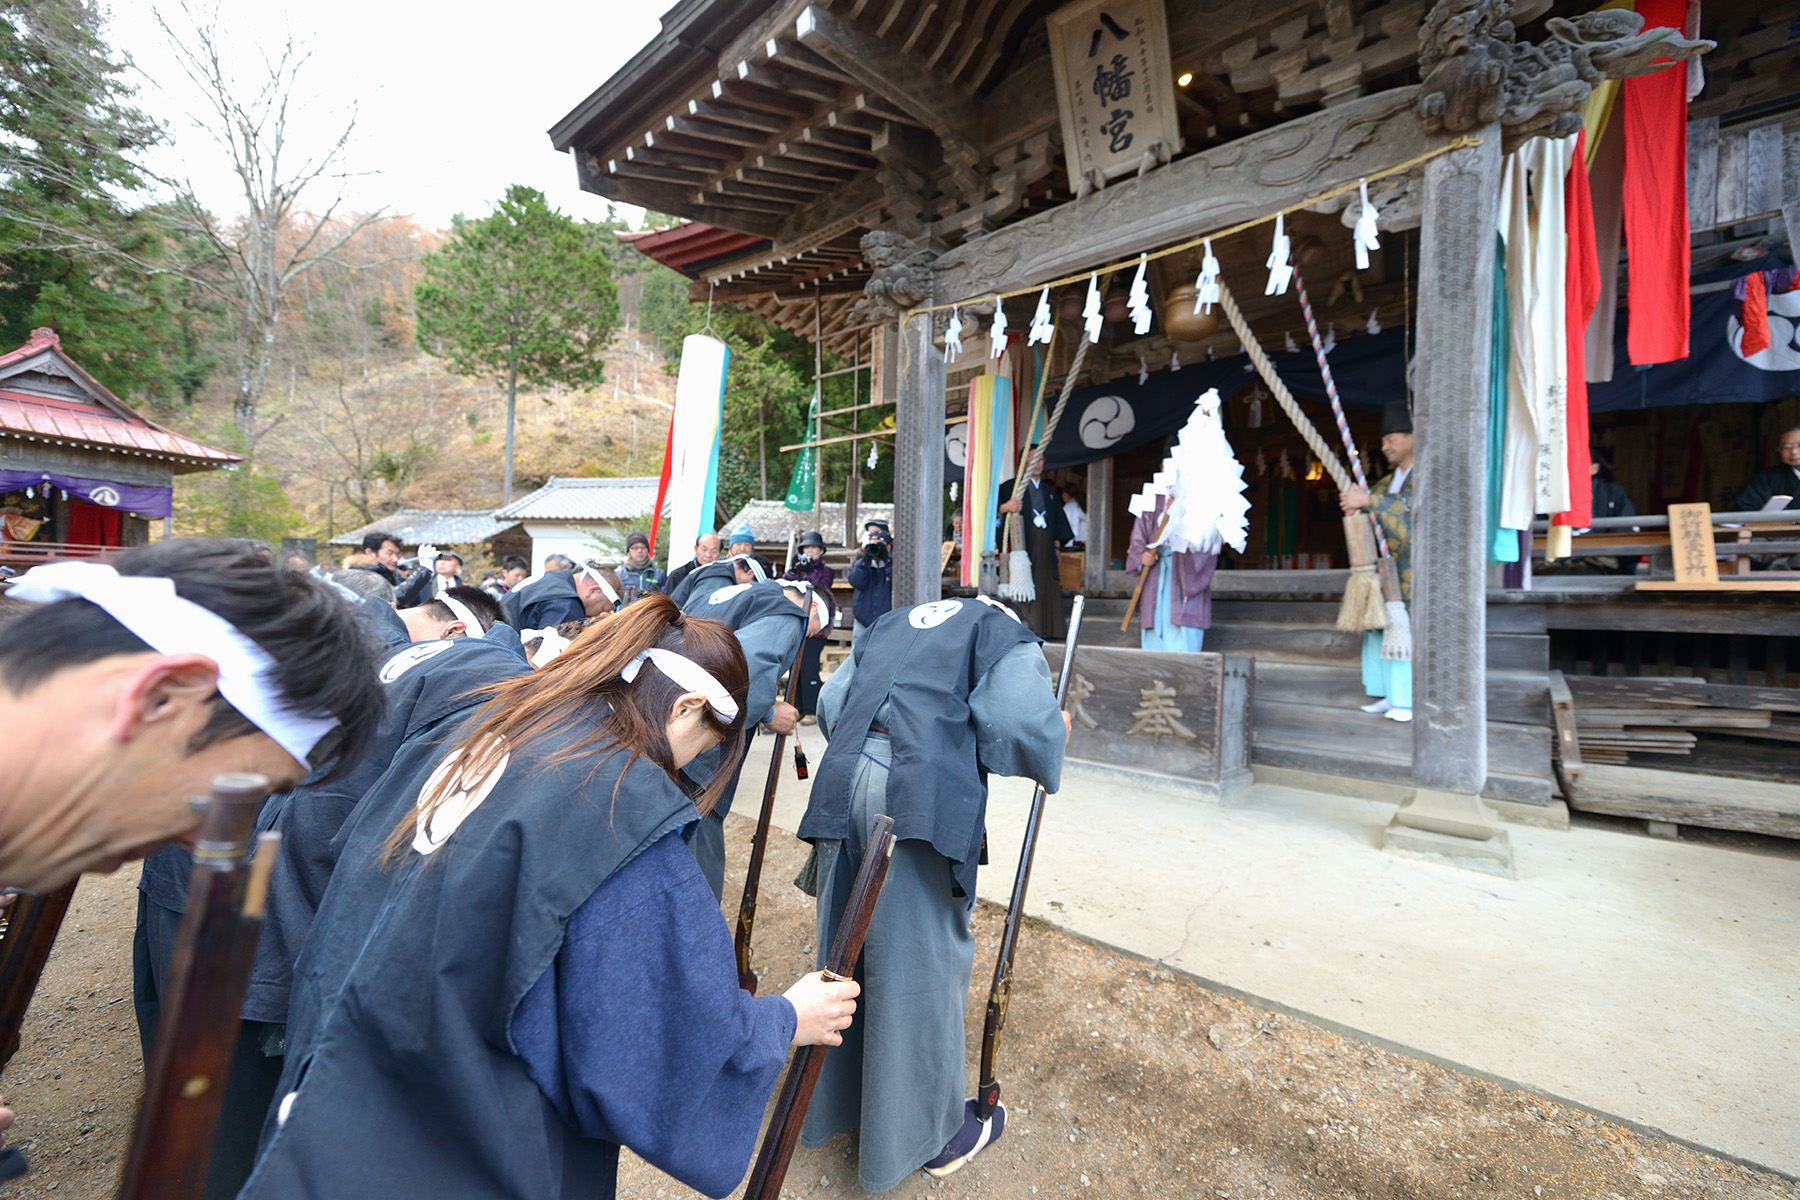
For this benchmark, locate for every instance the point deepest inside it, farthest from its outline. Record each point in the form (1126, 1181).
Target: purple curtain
(144, 501)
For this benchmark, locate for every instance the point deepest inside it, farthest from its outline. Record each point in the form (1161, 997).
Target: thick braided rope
(1337, 407)
(1062, 402)
(1314, 441)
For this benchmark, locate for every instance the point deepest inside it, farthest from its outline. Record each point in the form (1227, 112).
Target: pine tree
(71, 250)
(525, 294)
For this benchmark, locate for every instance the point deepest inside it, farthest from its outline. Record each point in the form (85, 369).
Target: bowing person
(517, 967)
(931, 701)
(769, 619)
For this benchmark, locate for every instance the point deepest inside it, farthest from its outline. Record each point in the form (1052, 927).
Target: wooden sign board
(1181, 715)
(1114, 86)
(1691, 543)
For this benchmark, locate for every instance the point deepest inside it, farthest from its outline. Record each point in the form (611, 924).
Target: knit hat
(637, 537)
(742, 534)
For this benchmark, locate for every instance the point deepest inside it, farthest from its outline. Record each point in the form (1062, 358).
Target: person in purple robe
(1175, 605)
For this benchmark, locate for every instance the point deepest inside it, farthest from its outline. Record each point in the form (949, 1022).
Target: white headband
(471, 626)
(750, 561)
(606, 588)
(149, 607)
(552, 644)
(818, 598)
(689, 674)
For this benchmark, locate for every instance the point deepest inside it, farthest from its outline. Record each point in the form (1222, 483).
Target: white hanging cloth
(1205, 485)
(1041, 328)
(1280, 271)
(1090, 312)
(997, 335)
(1365, 236)
(1139, 300)
(953, 336)
(1206, 286)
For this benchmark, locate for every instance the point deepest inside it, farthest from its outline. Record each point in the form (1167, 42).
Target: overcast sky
(452, 101)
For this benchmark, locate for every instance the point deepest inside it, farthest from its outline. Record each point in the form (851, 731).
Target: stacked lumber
(1614, 717)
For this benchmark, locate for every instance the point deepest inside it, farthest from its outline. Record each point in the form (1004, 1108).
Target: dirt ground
(1121, 1080)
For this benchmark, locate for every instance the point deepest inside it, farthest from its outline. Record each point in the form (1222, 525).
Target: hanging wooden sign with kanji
(1114, 88)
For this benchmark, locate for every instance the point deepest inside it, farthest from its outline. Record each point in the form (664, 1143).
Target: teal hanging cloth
(1503, 544)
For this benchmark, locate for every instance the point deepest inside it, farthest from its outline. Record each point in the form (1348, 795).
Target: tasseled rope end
(1362, 608)
(1018, 585)
(1396, 639)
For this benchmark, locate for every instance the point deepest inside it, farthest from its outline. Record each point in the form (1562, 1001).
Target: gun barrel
(987, 1090)
(802, 1077)
(197, 1030)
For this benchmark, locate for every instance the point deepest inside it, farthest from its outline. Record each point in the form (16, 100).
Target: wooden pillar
(917, 367)
(1449, 513)
(1099, 515)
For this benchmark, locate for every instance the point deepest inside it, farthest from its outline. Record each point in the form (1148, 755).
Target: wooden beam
(721, 134)
(841, 210)
(721, 113)
(901, 78)
(742, 93)
(593, 177)
(772, 74)
(645, 156)
(1250, 177)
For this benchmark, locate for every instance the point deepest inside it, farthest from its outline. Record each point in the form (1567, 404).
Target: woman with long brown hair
(518, 967)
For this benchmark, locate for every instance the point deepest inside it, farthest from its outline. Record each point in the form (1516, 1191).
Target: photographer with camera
(872, 577)
(809, 566)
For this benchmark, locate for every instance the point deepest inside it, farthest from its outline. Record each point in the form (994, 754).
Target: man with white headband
(132, 685)
(590, 590)
(458, 612)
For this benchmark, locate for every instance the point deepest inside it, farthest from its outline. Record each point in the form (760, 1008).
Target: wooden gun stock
(987, 1092)
(197, 1031)
(803, 1071)
(759, 843)
(29, 931)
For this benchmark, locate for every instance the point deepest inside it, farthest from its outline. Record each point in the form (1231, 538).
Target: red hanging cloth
(1756, 314)
(1656, 215)
(1582, 293)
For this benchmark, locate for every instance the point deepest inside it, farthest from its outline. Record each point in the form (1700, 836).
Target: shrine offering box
(1182, 716)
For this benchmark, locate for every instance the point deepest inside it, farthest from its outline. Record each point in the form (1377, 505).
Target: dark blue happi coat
(922, 663)
(431, 688)
(545, 602)
(402, 1076)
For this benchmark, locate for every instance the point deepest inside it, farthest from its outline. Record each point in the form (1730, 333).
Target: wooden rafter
(900, 78)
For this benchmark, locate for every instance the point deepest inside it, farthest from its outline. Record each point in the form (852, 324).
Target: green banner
(803, 487)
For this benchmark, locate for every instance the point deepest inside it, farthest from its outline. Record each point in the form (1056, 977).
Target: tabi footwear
(968, 1141)
(1380, 706)
(1398, 714)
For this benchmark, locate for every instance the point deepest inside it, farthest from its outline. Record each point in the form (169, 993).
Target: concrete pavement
(1655, 982)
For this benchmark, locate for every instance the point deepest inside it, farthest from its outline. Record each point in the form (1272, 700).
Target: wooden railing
(30, 554)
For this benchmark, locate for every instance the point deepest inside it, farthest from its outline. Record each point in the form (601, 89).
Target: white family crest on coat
(726, 593)
(1783, 353)
(461, 797)
(993, 603)
(930, 616)
(411, 657)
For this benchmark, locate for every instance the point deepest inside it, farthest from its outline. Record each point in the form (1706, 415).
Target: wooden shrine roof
(800, 126)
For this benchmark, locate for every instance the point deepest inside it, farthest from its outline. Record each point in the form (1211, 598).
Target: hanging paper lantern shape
(1140, 298)
(953, 335)
(1091, 313)
(1206, 286)
(1069, 308)
(1280, 272)
(1143, 370)
(1042, 330)
(997, 335)
(1182, 318)
(1374, 323)
(1204, 483)
(1365, 236)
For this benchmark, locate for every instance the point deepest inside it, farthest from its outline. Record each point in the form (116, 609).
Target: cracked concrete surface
(1651, 981)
